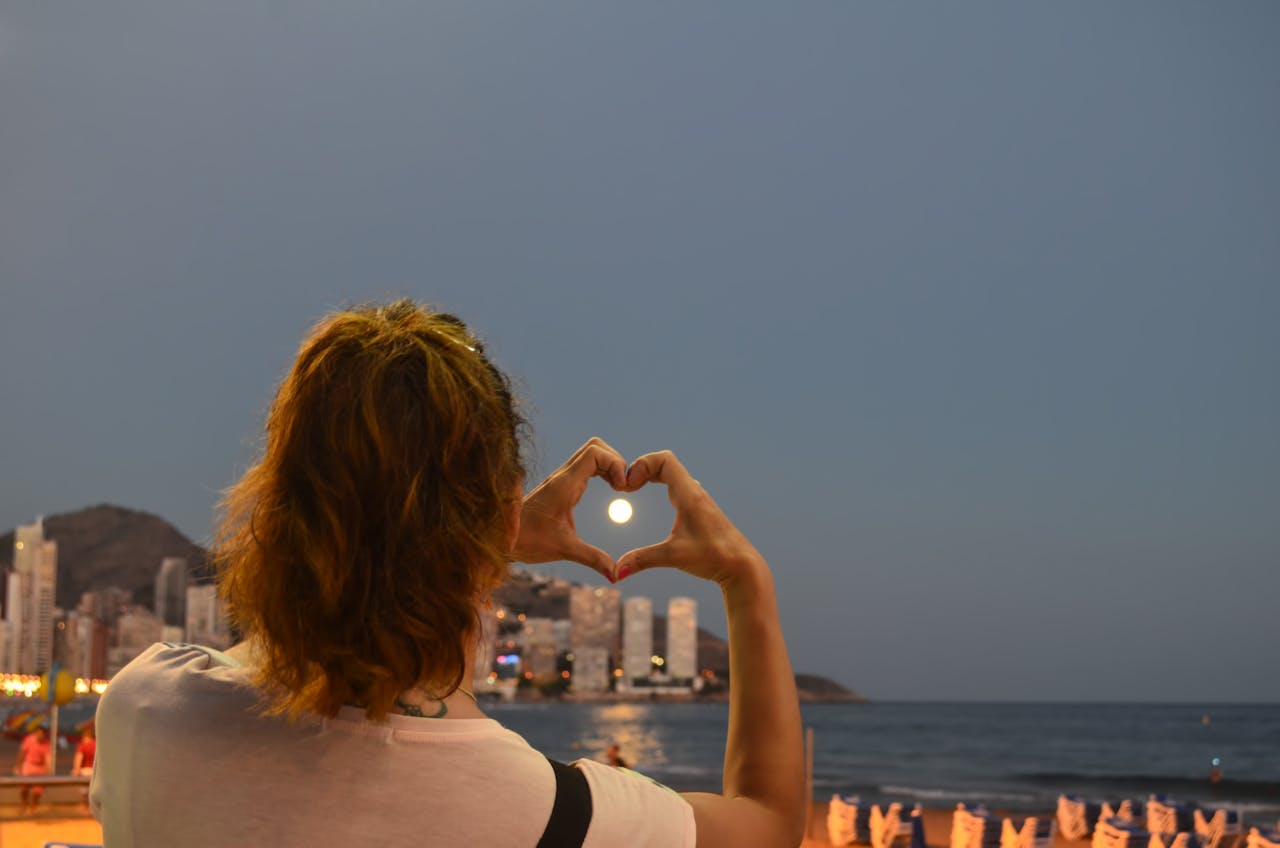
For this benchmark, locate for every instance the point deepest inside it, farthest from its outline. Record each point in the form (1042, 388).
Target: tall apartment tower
(538, 641)
(682, 640)
(29, 608)
(637, 639)
(595, 615)
(206, 621)
(171, 596)
(486, 651)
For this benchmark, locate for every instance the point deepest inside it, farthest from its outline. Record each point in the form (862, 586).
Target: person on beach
(614, 755)
(82, 764)
(33, 758)
(356, 557)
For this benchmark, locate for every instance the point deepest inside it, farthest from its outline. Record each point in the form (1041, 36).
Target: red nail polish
(625, 571)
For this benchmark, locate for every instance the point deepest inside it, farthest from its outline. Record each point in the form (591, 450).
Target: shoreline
(55, 822)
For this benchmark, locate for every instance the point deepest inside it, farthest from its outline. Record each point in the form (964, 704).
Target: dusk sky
(967, 314)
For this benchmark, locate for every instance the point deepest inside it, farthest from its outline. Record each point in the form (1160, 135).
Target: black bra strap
(571, 812)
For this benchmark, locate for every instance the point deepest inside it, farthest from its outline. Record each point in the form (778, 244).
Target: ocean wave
(957, 794)
(1143, 784)
(1271, 809)
(682, 769)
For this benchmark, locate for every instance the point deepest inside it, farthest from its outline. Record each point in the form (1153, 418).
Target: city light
(29, 686)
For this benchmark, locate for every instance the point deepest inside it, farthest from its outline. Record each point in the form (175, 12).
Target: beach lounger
(1076, 816)
(1164, 815)
(1176, 840)
(847, 821)
(1221, 824)
(974, 827)
(1118, 833)
(888, 825)
(1034, 833)
(961, 825)
(1127, 810)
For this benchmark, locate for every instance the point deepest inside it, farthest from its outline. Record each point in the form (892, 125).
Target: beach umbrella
(57, 687)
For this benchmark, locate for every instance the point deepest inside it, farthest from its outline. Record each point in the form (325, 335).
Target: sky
(965, 313)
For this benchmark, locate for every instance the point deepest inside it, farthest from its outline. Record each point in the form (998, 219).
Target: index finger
(663, 467)
(598, 459)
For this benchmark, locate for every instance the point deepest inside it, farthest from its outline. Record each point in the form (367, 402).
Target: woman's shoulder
(171, 675)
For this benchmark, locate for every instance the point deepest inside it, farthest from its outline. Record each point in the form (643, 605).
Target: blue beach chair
(848, 820)
(1118, 833)
(1165, 815)
(1032, 833)
(889, 824)
(974, 827)
(1222, 823)
(1076, 816)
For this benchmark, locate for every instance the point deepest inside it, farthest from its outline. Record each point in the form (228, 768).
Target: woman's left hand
(547, 532)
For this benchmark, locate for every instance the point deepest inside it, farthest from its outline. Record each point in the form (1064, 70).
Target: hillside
(105, 545)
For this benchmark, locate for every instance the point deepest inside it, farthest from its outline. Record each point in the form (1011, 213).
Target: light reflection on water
(678, 744)
(624, 725)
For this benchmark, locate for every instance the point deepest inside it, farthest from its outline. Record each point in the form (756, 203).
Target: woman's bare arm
(763, 802)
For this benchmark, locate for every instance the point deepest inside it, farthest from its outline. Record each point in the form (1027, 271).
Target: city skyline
(590, 652)
(965, 316)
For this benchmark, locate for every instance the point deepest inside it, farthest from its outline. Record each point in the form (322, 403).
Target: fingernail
(625, 571)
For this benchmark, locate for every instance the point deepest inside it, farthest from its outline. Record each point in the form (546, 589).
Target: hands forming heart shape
(702, 541)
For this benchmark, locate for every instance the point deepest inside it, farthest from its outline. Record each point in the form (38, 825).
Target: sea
(1016, 757)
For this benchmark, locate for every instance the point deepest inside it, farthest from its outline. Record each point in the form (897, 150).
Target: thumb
(593, 558)
(639, 559)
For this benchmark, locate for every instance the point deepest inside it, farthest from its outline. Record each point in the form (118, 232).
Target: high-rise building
(81, 646)
(563, 628)
(171, 593)
(206, 621)
(91, 638)
(682, 640)
(538, 642)
(29, 599)
(594, 613)
(486, 652)
(136, 630)
(13, 620)
(590, 670)
(637, 639)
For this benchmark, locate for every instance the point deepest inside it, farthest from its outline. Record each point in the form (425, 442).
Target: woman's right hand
(703, 541)
(547, 531)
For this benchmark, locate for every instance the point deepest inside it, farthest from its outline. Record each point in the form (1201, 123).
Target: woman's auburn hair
(356, 553)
